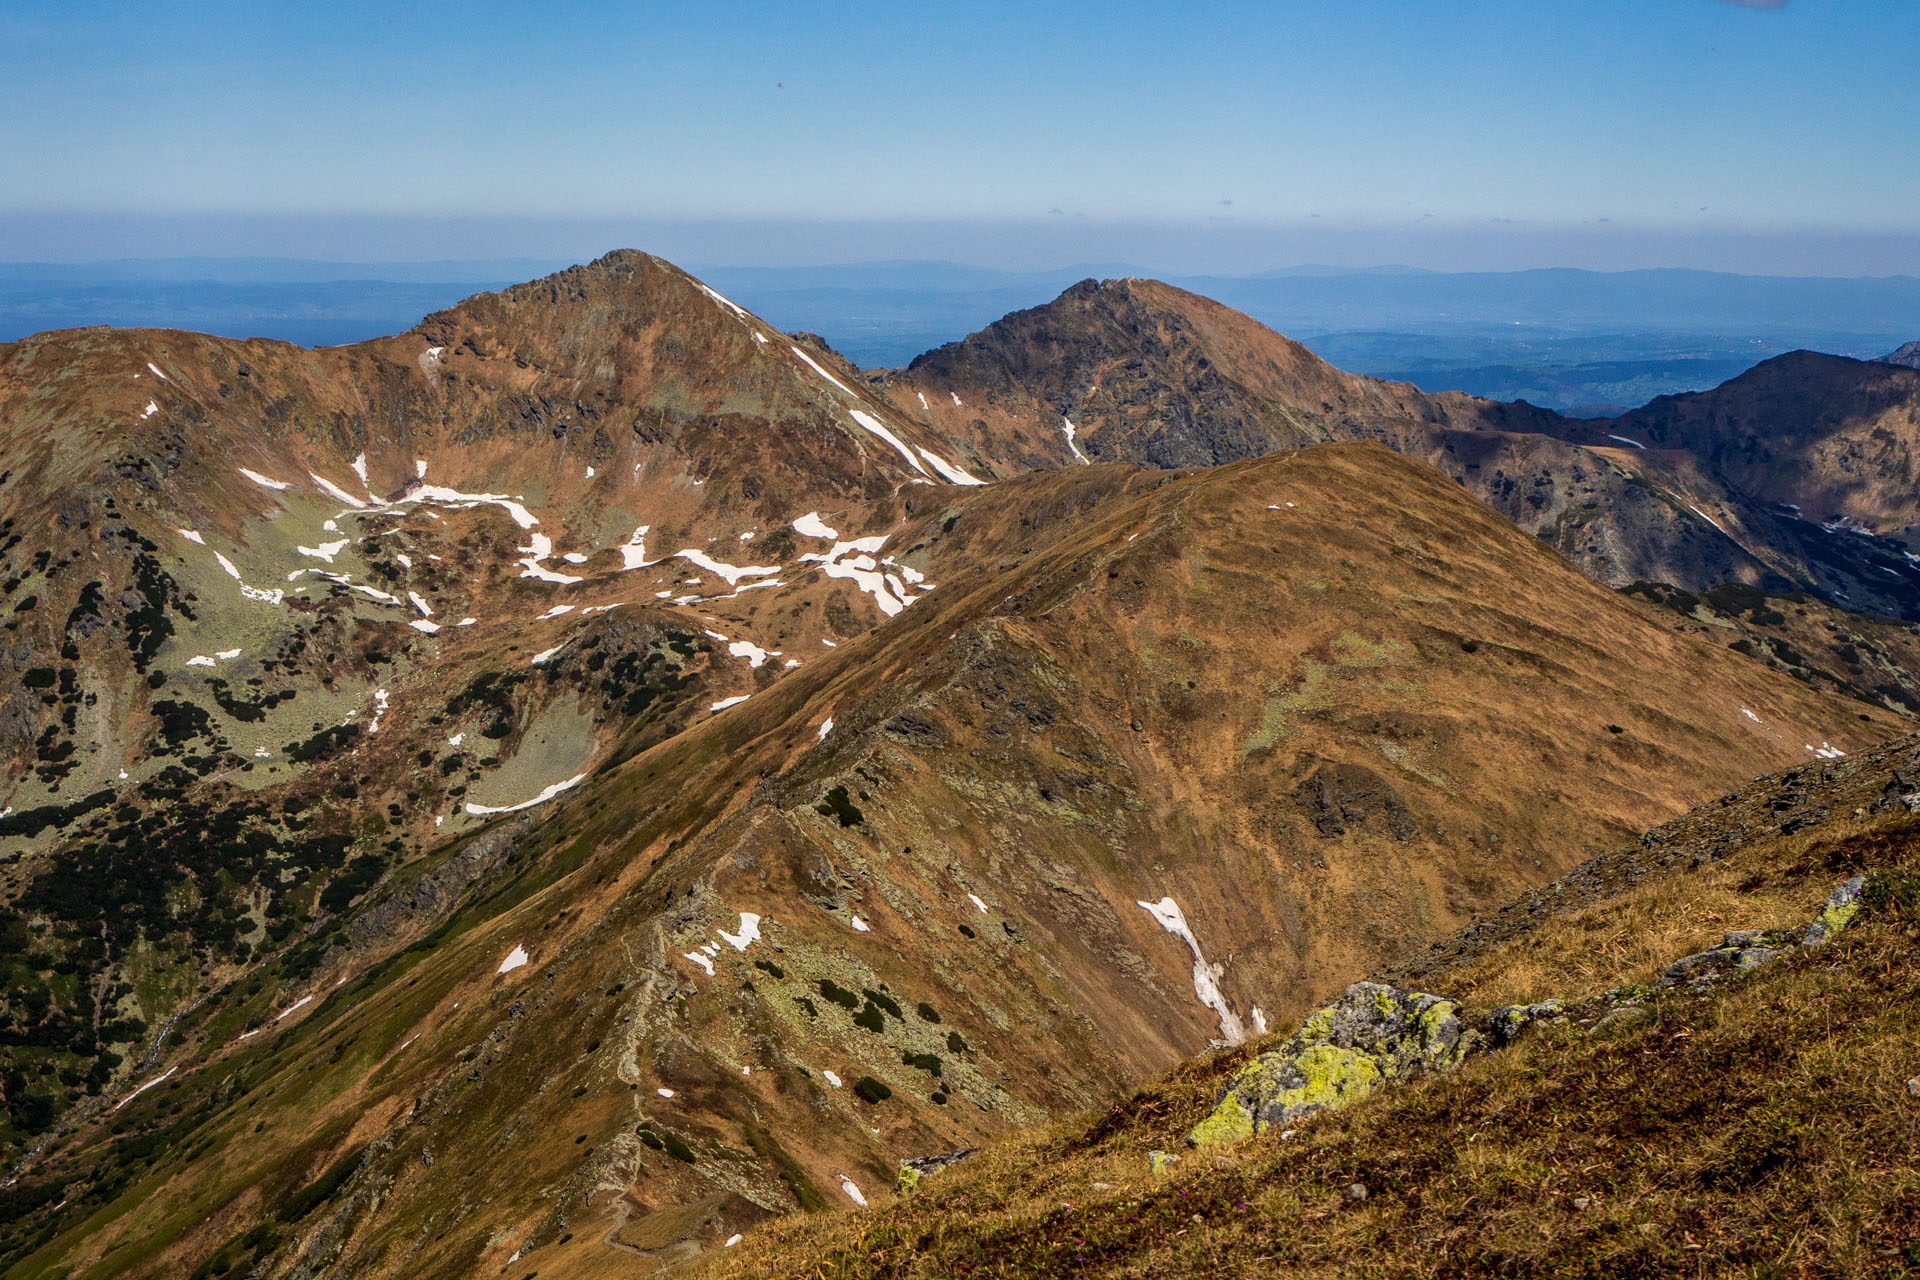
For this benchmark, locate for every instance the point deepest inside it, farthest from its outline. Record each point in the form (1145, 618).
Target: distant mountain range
(1574, 341)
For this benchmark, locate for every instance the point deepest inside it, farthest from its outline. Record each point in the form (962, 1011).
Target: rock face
(1908, 355)
(1370, 1035)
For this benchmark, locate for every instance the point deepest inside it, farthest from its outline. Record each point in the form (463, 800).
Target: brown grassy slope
(1329, 730)
(1767, 1128)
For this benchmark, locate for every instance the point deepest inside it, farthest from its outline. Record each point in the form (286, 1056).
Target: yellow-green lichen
(909, 1179)
(1230, 1122)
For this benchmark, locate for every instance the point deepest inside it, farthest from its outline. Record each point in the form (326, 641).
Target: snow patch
(1069, 429)
(860, 926)
(542, 798)
(325, 551)
(360, 468)
(423, 626)
(191, 535)
(164, 1074)
(263, 481)
(152, 408)
(878, 428)
(1625, 440)
(335, 492)
(809, 525)
(1826, 752)
(950, 473)
(832, 1079)
(756, 656)
(975, 900)
(1749, 715)
(1205, 976)
(303, 1000)
(853, 1192)
(700, 960)
(200, 660)
(825, 729)
(817, 369)
(749, 932)
(734, 701)
(955, 395)
(516, 958)
(420, 604)
(227, 655)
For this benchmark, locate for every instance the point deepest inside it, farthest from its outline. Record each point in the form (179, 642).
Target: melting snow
(152, 408)
(325, 551)
(574, 557)
(555, 612)
(949, 472)
(923, 401)
(290, 1008)
(191, 536)
(860, 926)
(722, 301)
(832, 1079)
(853, 1192)
(454, 497)
(1825, 752)
(633, 554)
(810, 525)
(515, 959)
(263, 481)
(541, 658)
(1069, 429)
(164, 1074)
(542, 798)
(879, 429)
(360, 468)
(817, 369)
(227, 655)
(539, 547)
(700, 960)
(379, 709)
(335, 492)
(974, 899)
(665, 1093)
(1749, 715)
(1624, 440)
(825, 729)
(1259, 1021)
(456, 739)
(734, 701)
(420, 604)
(753, 653)
(200, 660)
(749, 931)
(736, 1237)
(420, 468)
(422, 625)
(156, 372)
(731, 573)
(1205, 986)
(955, 395)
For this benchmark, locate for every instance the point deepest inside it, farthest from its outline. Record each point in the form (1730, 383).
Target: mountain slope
(1686, 491)
(1347, 760)
(1763, 1126)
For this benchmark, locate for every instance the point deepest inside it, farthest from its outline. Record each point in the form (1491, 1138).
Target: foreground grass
(1765, 1129)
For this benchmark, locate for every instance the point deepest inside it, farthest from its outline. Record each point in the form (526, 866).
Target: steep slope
(1165, 756)
(1763, 1125)
(278, 621)
(1686, 491)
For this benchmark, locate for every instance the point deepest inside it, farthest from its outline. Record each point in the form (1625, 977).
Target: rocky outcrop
(1371, 1035)
(1376, 1034)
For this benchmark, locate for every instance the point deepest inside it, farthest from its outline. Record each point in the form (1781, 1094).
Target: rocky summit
(597, 785)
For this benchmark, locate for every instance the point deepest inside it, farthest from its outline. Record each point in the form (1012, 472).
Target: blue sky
(1243, 136)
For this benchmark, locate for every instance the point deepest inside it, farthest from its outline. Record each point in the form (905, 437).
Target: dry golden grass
(1765, 1129)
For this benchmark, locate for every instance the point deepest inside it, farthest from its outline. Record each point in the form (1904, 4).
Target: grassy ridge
(1766, 1128)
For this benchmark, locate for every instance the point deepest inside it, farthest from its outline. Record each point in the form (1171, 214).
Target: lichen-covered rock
(1737, 952)
(1371, 1034)
(1837, 914)
(1507, 1023)
(1162, 1162)
(914, 1168)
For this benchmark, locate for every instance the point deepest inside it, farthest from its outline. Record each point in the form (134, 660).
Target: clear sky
(1765, 137)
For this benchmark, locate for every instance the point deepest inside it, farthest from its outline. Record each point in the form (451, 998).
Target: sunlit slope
(1313, 709)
